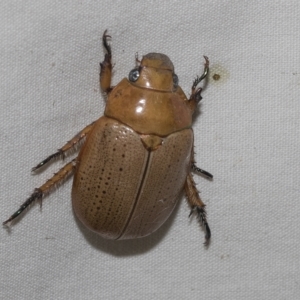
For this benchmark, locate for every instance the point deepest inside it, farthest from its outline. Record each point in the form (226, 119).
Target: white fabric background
(247, 135)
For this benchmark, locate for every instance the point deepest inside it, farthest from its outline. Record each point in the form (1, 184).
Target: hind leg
(197, 205)
(56, 180)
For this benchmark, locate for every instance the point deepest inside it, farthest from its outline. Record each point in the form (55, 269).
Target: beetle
(136, 159)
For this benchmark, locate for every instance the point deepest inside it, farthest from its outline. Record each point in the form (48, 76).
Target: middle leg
(70, 145)
(199, 170)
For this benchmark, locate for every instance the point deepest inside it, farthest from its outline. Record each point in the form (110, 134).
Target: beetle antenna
(137, 59)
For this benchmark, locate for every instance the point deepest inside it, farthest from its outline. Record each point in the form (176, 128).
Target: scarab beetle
(137, 158)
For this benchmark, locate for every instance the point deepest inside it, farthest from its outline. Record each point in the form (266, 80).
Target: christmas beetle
(136, 159)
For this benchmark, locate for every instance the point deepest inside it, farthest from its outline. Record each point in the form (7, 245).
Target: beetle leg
(199, 170)
(196, 92)
(197, 205)
(70, 145)
(106, 66)
(39, 193)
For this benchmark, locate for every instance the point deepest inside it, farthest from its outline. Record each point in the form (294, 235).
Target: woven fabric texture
(246, 134)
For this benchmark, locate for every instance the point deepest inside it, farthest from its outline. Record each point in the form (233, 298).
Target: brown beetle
(137, 158)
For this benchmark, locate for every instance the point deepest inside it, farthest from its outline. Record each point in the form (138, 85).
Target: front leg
(196, 92)
(197, 205)
(106, 66)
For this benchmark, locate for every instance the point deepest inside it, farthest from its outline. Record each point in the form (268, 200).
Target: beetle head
(155, 71)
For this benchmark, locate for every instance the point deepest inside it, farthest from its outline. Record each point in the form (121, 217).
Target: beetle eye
(175, 81)
(134, 75)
